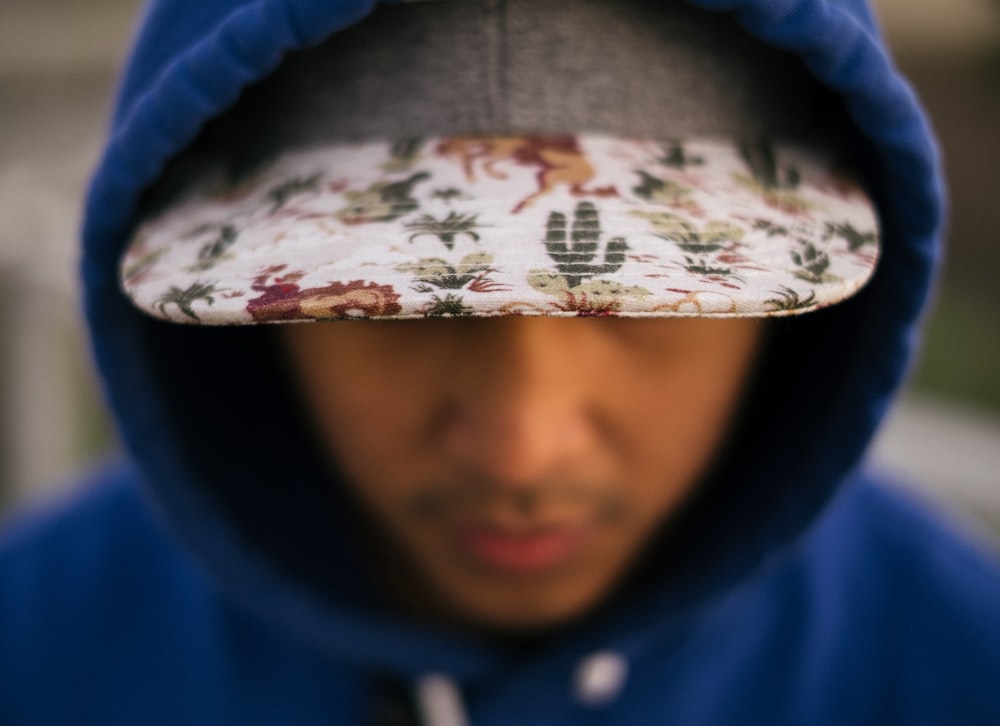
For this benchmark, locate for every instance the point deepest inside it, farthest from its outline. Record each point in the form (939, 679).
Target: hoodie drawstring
(439, 701)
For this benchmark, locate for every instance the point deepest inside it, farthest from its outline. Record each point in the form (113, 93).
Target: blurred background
(58, 60)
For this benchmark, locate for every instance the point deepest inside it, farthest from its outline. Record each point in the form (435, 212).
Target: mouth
(524, 532)
(530, 551)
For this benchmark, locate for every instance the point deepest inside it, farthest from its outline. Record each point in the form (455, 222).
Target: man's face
(515, 467)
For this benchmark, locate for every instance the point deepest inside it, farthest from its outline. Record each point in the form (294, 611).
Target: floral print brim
(556, 225)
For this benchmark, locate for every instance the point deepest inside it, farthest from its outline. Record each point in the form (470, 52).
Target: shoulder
(102, 530)
(69, 562)
(84, 584)
(910, 540)
(912, 600)
(105, 619)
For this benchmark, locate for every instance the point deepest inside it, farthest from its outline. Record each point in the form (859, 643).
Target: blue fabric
(131, 633)
(879, 617)
(183, 588)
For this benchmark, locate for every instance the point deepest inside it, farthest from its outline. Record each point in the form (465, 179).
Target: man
(629, 286)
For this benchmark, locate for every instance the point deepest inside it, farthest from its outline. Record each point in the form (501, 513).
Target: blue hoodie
(207, 578)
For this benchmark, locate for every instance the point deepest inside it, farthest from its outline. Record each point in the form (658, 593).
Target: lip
(524, 552)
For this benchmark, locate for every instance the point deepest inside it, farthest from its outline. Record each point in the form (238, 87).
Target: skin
(514, 468)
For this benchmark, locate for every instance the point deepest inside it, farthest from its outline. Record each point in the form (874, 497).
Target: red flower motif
(285, 300)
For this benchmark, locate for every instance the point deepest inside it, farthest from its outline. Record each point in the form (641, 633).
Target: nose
(521, 407)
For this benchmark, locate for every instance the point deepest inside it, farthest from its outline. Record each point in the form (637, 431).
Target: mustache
(527, 502)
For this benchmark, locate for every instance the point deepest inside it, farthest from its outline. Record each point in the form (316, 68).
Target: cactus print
(557, 225)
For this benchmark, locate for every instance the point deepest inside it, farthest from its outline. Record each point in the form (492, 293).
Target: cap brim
(485, 226)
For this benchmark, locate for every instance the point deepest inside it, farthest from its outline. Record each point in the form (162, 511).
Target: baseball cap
(513, 157)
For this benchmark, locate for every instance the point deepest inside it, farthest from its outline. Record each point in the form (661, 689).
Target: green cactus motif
(213, 252)
(788, 300)
(760, 159)
(661, 191)
(279, 195)
(138, 266)
(847, 232)
(184, 299)
(403, 154)
(770, 228)
(447, 195)
(676, 156)
(713, 236)
(777, 185)
(812, 263)
(577, 261)
(437, 273)
(704, 267)
(383, 201)
(445, 229)
(595, 297)
(450, 306)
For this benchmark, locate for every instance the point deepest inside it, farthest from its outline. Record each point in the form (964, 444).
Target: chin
(526, 608)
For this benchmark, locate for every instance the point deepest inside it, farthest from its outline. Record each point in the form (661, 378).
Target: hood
(223, 456)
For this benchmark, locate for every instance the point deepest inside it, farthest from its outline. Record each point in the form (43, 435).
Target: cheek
(675, 425)
(368, 419)
(371, 434)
